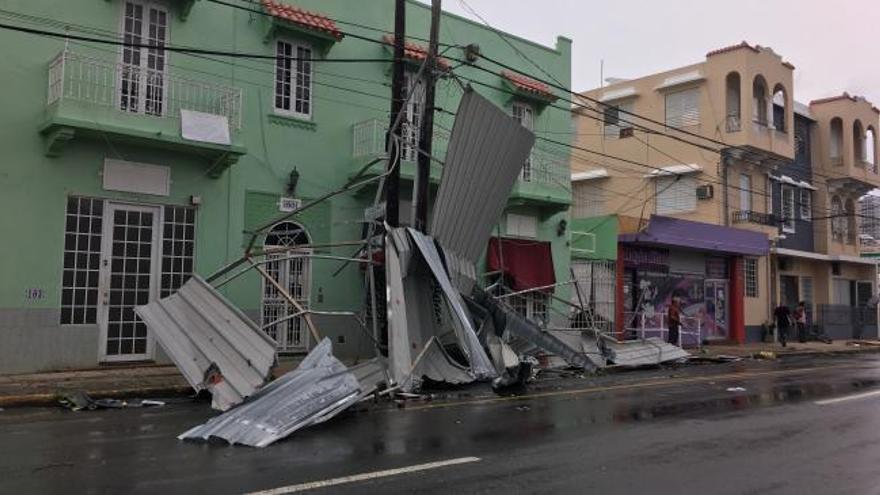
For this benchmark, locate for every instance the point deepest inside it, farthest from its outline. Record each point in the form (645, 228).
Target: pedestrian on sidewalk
(783, 322)
(800, 319)
(673, 316)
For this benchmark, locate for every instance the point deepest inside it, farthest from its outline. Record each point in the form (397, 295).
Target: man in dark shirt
(673, 317)
(783, 322)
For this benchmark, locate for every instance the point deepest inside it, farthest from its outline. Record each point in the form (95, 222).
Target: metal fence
(134, 89)
(595, 283)
(839, 321)
(639, 325)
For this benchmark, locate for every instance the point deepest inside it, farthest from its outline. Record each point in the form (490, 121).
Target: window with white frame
(788, 211)
(751, 277)
(415, 109)
(82, 255)
(524, 114)
(806, 204)
(616, 118)
(676, 194)
(142, 75)
(532, 306)
(768, 196)
(522, 225)
(589, 199)
(683, 108)
(745, 192)
(293, 78)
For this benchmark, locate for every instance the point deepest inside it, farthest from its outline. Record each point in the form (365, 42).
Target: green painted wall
(594, 238)
(34, 187)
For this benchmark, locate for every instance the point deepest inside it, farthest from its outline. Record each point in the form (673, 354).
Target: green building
(127, 169)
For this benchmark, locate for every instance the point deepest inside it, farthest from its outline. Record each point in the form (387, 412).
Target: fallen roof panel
(214, 345)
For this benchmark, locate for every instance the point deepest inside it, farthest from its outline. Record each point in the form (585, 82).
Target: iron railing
(544, 166)
(641, 326)
(137, 90)
(756, 217)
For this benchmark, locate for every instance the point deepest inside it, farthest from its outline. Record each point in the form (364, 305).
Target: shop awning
(527, 264)
(674, 232)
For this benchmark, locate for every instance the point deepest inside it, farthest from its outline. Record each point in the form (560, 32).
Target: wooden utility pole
(398, 94)
(426, 134)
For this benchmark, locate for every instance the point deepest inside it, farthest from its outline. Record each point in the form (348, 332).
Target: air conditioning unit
(705, 191)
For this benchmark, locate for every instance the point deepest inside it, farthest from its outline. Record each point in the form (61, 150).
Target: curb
(51, 399)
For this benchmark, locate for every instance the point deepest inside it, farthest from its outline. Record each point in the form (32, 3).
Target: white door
(129, 264)
(280, 319)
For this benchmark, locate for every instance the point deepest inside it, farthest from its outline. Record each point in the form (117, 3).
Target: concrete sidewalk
(41, 389)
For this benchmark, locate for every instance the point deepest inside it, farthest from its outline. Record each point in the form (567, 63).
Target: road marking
(312, 485)
(845, 398)
(629, 386)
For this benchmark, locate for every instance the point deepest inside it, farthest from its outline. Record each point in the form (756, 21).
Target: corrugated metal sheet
(643, 352)
(318, 389)
(486, 152)
(214, 344)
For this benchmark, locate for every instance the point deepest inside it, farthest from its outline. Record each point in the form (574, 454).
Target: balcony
(755, 217)
(89, 96)
(544, 178)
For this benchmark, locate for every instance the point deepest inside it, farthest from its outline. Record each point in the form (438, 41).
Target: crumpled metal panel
(485, 155)
(642, 352)
(480, 364)
(214, 345)
(318, 389)
(434, 363)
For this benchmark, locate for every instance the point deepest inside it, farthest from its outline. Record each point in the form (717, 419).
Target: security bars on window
(82, 254)
(751, 277)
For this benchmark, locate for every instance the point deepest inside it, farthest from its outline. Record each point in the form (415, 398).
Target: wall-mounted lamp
(561, 227)
(292, 181)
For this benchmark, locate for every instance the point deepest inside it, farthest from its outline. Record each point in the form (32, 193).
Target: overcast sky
(832, 43)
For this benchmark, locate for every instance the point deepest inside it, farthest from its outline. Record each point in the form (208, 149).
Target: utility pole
(426, 134)
(398, 92)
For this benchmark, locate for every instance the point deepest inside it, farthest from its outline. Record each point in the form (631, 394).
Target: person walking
(800, 319)
(783, 322)
(673, 317)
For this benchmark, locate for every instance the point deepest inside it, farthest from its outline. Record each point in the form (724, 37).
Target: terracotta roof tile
(303, 18)
(528, 85)
(844, 96)
(415, 51)
(731, 48)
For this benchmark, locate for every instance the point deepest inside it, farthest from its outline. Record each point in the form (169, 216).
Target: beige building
(723, 142)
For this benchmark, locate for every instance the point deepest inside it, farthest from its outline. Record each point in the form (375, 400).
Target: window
(532, 306)
(178, 247)
(780, 108)
(683, 108)
(858, 144)
(788, 210)
(751, 277)
(838, 220)
(759, 101)
(745, 192)
(807, 294)
(806, 204)
(522, 225)
(612, 119)
(589, 199)
(768, 196)
(293, 79)
(733, 102)
(415, 107)
(836, 148)
(82, 254)
(142, 75)
(676, 194)
(525, 115)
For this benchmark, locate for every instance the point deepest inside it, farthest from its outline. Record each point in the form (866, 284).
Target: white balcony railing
(137, 90)
(544, 166)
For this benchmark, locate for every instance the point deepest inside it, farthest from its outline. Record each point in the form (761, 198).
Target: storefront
(701, 264)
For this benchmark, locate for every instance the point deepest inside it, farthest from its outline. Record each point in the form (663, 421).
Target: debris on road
(318, 389)
(80, 401)
(214, 345)
(764, 355)
(736, 389)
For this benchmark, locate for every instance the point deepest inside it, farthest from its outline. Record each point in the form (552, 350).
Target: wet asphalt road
(662, 431)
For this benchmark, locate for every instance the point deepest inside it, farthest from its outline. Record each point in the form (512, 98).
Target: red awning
(526, 264)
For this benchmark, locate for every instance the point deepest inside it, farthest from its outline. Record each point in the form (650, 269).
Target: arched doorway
(277, 315)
